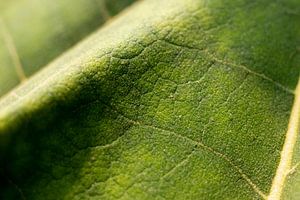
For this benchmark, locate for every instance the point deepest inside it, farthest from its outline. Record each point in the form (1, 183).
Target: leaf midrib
(286, 155)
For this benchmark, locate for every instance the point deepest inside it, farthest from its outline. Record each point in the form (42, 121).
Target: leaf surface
(34, 32)
(172, 100)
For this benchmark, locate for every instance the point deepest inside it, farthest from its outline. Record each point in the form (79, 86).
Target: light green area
(41, 30)
(292, 186)
(172, 100)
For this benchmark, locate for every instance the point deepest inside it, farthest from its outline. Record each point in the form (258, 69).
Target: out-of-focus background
(34, 32)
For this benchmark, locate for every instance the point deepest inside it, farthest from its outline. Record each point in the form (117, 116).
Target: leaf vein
(12, 50)
(244, 68)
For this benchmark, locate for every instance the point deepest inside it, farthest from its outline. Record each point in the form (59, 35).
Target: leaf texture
(172, 100)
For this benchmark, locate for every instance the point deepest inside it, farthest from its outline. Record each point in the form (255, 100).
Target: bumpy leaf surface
(172, 100)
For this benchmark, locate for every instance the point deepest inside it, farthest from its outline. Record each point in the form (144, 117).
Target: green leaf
(33, 32)
(172, 100)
